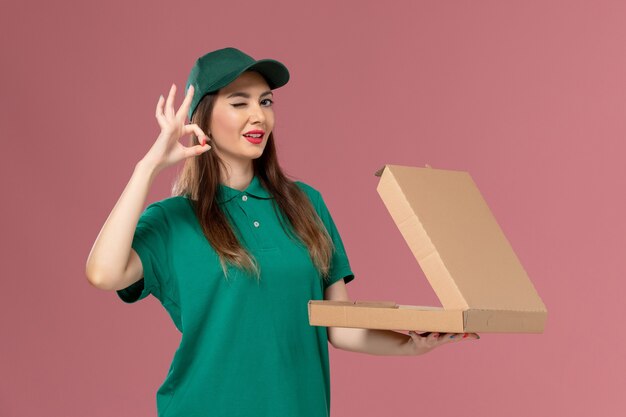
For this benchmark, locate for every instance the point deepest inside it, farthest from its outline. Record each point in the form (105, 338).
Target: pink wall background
(527, 96)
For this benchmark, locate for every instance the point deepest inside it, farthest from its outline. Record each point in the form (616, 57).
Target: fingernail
(451, 336)
(477, 336)
(464, 335)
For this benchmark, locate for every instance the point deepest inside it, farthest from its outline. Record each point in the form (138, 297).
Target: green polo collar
(255, 189)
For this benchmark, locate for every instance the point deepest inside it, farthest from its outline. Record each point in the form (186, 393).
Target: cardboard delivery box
(464, 254)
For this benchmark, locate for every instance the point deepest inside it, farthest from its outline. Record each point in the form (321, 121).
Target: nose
(257, 114)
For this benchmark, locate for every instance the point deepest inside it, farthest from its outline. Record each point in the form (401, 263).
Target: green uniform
(247, 348)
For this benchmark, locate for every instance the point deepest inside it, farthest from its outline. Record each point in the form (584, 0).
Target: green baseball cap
(219, 68)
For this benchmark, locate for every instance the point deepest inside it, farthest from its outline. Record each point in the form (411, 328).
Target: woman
(235, 254)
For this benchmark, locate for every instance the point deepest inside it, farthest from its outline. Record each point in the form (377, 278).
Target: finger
(196, 150)
(184, 108)
(451, 337)
(467, 336)
(416, 338)
(159, 108)
(169, 105)
(433, 337)
(455, 337)
(194, 128)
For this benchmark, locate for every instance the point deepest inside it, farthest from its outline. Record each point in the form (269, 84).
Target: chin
(256, 155)
(255, 152)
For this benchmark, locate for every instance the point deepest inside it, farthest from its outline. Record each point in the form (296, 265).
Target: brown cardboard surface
(463, 252)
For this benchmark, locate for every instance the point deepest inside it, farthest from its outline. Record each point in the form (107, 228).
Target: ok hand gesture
(167, 150)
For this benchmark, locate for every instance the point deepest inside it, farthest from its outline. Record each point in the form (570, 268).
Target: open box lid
(456, 240)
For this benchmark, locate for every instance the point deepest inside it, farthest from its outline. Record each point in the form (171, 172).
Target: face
(242, 106)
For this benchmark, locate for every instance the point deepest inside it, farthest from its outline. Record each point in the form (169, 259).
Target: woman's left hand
(427, 341)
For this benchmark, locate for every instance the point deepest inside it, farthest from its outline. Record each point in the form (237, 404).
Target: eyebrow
(246, 95)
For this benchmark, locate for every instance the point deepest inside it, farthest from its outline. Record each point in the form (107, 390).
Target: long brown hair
(199, 180)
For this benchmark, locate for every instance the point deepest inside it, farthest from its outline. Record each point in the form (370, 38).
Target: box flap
(456, 240)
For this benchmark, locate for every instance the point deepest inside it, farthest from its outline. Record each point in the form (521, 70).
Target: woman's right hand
(167, 150)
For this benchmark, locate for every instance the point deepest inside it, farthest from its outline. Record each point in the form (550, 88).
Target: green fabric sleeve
(151, 242)
(340, 265)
